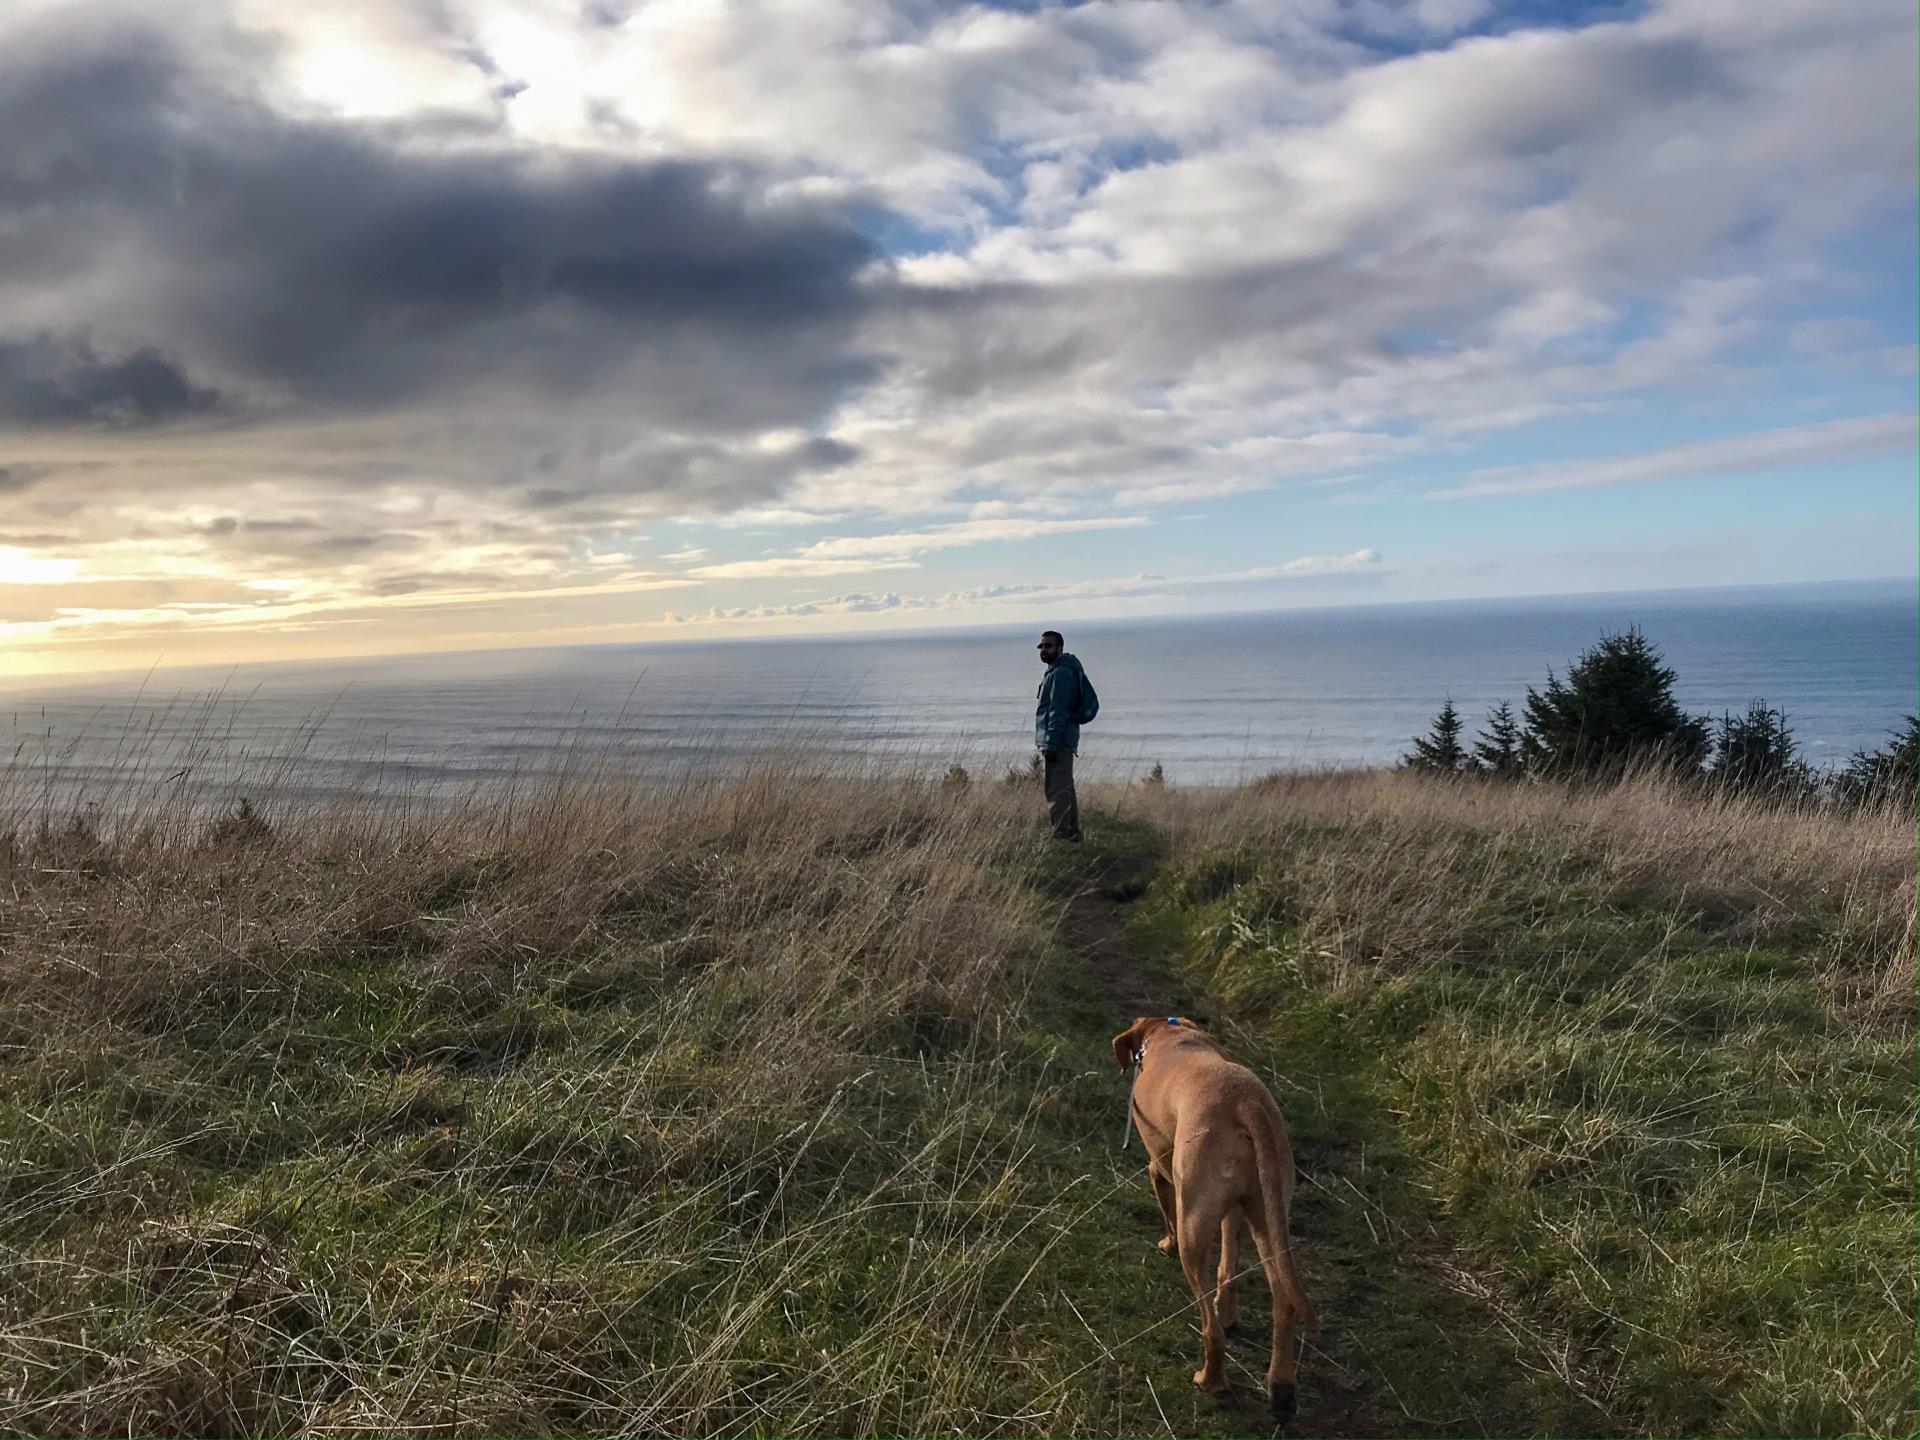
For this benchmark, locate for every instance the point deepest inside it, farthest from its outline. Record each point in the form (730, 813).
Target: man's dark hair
(1053, 635)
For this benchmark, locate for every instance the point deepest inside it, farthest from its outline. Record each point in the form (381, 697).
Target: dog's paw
(1212, 1384)
(1282, 1400)
(1167, 1245)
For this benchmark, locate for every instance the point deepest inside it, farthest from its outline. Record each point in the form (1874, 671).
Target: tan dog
(1218, 1156)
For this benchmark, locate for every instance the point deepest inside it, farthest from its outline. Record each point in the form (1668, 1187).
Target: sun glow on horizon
(23, 567)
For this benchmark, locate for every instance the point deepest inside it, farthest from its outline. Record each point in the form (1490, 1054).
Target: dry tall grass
(1429, 867)
(640, 1109)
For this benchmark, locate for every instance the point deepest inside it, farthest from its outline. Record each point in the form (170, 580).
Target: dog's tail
(1267, 1159)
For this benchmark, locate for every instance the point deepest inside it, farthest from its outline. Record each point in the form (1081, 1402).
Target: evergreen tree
(1615, 708)
(1756, 753)
(1890, 773)
(1497, 752)
(1439, 751)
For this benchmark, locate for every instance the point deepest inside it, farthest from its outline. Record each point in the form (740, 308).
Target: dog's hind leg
(1267, 1217)
(1196, 1240)
(1163, 1192)
(1282, 1362)
(1225, 1302)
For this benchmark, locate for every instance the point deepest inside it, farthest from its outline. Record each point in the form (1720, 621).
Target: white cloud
(91, 623)
(770, 517)
(1834, 442)
(968, 532)
(1304, 565)
(1304, 568)
(789, 566)
(855, 603)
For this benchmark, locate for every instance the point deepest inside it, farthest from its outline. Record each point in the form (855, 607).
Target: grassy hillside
(785, 1107)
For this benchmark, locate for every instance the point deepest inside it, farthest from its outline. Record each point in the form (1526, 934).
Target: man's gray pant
(1063, 806)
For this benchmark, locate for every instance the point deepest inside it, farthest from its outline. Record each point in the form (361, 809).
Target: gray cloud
(15, 478)
(181, 243)
(44, 381)
(1835, 441)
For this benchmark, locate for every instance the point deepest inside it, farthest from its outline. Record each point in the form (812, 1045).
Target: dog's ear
(1126, 1045)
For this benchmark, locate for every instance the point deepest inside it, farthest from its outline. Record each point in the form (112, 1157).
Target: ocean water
(1213, 699)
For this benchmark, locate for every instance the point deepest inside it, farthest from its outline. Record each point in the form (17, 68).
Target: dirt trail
(1091, 926)
(1335, 1386)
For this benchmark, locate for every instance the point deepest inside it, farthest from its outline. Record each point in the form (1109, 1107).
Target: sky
(333, 328)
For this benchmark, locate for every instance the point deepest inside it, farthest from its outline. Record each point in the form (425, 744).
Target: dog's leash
(1127, 1134)
(1139, 1059)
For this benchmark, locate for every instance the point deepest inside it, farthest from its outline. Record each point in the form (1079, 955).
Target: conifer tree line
(1616, 710)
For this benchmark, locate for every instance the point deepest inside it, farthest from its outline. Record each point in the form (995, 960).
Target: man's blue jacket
(1053, 727)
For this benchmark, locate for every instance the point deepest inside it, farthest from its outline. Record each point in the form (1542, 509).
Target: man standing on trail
(1067, 702)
